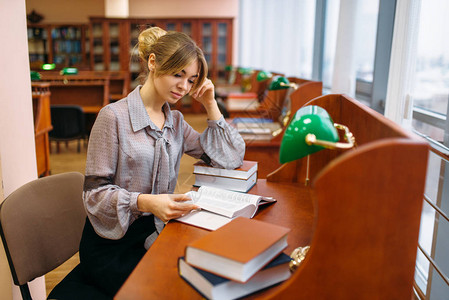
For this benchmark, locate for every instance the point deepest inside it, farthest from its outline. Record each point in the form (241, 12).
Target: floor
(68, 159)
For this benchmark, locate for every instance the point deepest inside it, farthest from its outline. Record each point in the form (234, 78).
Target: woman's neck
(152, 104)
(150, 98)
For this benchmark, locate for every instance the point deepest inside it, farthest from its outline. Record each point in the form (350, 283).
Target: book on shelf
(228, 183)
(239, 249)
(219, 207)
(215, 287)
(243, 172)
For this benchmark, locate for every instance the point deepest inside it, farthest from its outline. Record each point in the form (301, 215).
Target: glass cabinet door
(207, 44)
(222, 50)
(97, 47)
(37, 46)
(67, 47)
(114, 46)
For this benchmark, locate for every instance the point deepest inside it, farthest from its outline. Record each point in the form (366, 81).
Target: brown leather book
(238, 249)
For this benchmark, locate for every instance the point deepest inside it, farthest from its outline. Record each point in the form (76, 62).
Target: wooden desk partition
(42, 125)
(360, 215)
(368, 201)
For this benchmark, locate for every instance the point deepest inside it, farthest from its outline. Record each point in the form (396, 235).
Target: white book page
(219, 207)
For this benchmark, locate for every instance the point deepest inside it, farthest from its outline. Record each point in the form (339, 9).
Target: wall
(17, 152)
(66, 11)
(182, 8)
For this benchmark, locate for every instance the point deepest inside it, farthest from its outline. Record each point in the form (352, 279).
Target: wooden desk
(156, 276)
(42, 125)
(89, 91)
(360, 214)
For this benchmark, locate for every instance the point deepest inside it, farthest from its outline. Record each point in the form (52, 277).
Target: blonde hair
(173, 51)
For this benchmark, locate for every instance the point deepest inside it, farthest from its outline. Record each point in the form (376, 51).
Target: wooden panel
(42, 125)
(369, 202)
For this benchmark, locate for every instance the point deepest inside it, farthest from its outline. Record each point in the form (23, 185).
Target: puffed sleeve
(220, 142)
(110, 208)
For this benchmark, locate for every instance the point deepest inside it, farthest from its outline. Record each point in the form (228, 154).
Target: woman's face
(172, 88)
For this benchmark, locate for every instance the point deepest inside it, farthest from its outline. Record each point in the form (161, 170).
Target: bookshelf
(114, 42)
(65, 45)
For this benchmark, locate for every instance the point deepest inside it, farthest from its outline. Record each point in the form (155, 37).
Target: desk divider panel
(368, 203)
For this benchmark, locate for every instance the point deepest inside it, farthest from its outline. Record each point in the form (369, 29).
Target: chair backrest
(41, 224)
(68, 121)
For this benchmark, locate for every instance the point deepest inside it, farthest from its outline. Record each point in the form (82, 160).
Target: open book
(219, 206)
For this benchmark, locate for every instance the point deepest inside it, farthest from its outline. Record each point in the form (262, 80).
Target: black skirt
(107, 263)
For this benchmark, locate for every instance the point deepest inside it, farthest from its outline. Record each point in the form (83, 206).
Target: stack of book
(242, 257)
(242, 102)
(241, 179)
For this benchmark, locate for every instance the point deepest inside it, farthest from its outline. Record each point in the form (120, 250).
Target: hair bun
(147, 38)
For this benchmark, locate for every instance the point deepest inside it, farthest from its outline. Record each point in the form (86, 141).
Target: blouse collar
(139, 116)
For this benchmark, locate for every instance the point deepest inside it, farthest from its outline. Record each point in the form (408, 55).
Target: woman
(134, 154)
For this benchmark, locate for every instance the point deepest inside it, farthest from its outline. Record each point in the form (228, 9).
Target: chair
(41, 224)
(68, 124)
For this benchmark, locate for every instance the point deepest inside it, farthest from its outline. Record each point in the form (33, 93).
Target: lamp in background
(69, 71)
(310, 131)
(35, 76)
(280, 82)
(263, 75)
(47, 67)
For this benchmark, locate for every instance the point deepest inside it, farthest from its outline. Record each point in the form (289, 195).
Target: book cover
(216, 287)
(247, 95)
(238, 249)
(243, 172)
(227, 183)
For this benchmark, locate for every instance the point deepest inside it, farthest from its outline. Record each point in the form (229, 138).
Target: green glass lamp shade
(48, 66)
(308, 120)
(263, 75)
(245, 71)
(69, 71)
(229, 68)
(279, 83)
(35, 76)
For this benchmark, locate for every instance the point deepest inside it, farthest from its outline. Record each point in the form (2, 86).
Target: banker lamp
(69, 71)
(47, 67)
(280, 82)
(311, 130)
(263, 75)
(35, 76)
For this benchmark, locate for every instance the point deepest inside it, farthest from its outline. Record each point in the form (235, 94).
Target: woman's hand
(205, 94)
(166, 206)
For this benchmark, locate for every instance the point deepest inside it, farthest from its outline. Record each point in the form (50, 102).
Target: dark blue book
(212, 286)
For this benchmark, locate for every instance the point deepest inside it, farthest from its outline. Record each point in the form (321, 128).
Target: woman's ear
(152, 62)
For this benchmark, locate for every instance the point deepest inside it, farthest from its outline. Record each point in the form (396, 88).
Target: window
(430, 95)
(275, 36)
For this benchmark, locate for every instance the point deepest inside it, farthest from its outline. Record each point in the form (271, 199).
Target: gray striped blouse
(129, 155)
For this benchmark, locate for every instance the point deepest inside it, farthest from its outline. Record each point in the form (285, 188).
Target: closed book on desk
(242, 101)
(227, 183)
(238, 249)
(243, 172)
(216, 287)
